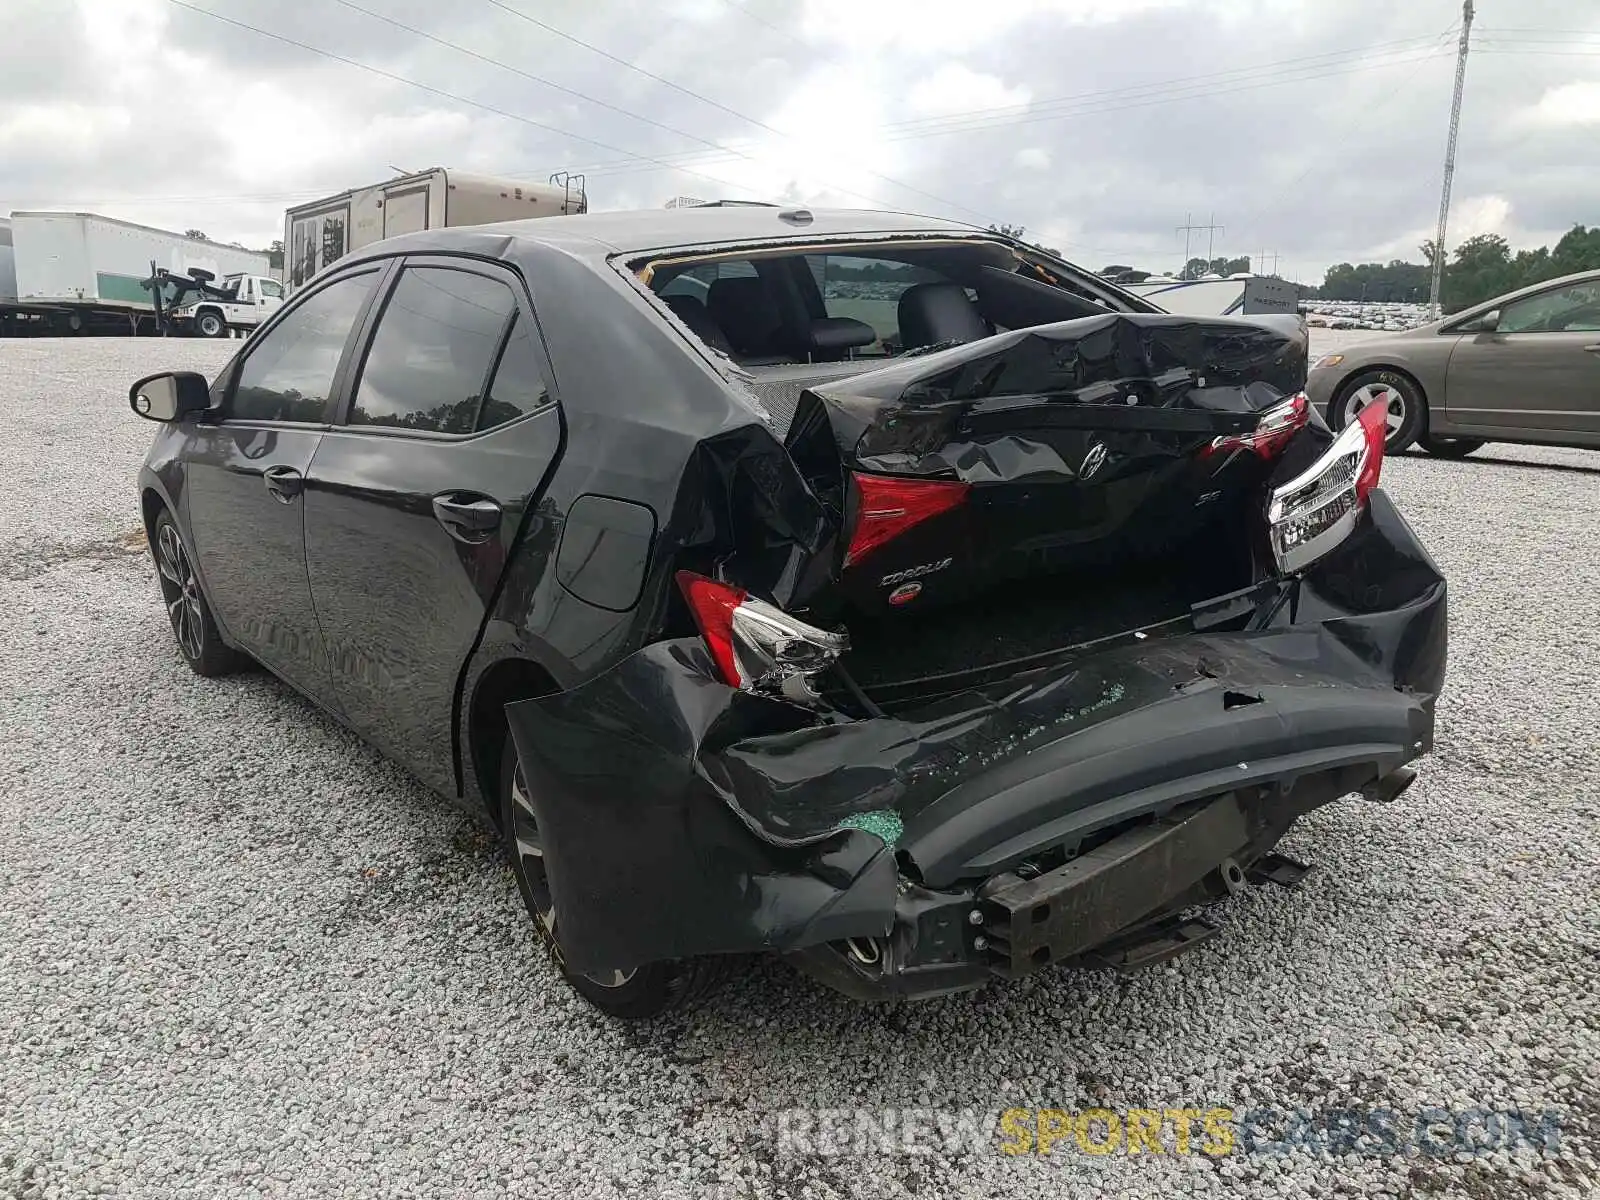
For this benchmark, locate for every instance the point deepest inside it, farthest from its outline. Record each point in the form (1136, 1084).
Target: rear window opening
(779, 307)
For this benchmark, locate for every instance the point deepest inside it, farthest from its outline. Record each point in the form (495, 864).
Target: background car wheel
(646, 991)
(192, 624)
(209, 324)
(1407, 411)
(1449, 447)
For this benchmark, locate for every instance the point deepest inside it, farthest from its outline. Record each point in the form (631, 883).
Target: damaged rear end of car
(1008, 656)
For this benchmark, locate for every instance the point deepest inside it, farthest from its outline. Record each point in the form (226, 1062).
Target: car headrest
(697, 317)
(746, 314)
(930, 313)
(830, 337)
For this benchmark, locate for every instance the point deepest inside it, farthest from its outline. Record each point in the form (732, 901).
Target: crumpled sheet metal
(979, 411)
(682, 816)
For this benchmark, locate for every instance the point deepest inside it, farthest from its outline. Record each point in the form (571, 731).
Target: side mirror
(1489, 322)
(170, 396)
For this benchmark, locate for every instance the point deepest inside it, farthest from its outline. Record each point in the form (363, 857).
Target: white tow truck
(246, 301)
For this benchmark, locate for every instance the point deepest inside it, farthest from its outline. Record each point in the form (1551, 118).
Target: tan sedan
(1524, 367)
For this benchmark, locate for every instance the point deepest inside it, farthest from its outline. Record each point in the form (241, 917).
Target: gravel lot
(242, 955)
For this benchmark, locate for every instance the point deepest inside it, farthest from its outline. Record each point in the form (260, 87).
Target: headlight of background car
(1327, 360)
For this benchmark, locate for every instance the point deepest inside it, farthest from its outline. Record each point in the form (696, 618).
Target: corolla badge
(1093, 461)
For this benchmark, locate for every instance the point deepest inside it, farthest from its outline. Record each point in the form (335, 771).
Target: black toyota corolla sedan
(872, 590)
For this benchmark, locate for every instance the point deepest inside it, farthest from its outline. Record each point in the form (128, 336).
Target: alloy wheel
(183, 592)
(529, 848)
(1392, 399)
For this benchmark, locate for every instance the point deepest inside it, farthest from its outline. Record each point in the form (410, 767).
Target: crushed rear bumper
(923, 853)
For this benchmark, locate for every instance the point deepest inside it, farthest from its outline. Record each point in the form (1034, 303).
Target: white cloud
(1473, 215)
(957, 88)
(102, 112)
(1570, 104)
(943, 25)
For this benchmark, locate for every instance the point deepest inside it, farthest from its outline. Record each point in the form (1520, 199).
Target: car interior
(840, 304)
(792, 319)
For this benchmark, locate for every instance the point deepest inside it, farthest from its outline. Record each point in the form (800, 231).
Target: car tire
(648, 991)
(208, 323)
(188, 611)
(1449, 447)
(1407, 408)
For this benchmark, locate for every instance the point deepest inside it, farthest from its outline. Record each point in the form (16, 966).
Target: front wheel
(1449, 447)
(647, 991)
(1405, 411)
(192, 623)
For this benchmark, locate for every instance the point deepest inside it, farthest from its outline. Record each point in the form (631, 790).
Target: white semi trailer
(78, 273)
(324, 231)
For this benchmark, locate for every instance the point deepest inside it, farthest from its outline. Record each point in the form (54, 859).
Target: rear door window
(437, 341)
(288, 373)
(519, 385)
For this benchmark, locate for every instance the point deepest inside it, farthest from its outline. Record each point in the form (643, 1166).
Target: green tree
(196, 234)
(1482, 268)
(1578, 250)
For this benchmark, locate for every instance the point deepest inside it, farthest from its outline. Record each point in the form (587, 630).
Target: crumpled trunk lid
(1066, 447)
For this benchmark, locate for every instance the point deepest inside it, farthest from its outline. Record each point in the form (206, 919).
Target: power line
(1330, 153)
(744, 10)
(1182, 87)
(1189, 82)
(672, 129)
(614, 168)
(622, 62)
(1209, 230)
(390, 75)
(1185, 94)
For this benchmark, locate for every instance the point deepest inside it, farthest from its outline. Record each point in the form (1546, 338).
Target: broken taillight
(758, 647)
(887, 506)
(1317, 509)
(1272, 432)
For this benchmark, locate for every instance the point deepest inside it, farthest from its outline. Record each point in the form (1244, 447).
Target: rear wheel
(192, 623)
(646, 991)
(1405, 411)
(209, 324)
(1449, 447)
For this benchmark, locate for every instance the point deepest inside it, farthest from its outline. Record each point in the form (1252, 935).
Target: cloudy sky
(1312, 129)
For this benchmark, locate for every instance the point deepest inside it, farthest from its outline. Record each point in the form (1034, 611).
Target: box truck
(79, 273)
(324, 231)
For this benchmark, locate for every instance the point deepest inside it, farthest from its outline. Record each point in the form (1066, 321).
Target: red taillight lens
(1272, 432)
(1374, 420)
(713, 605)
(888, 506)
(756, 646)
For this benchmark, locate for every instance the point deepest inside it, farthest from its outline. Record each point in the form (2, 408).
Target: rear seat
(695, 315)
(930, 313)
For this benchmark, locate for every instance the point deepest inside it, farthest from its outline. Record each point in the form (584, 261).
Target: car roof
(644, 230)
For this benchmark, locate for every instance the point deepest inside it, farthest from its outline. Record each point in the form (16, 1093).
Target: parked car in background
(865, 588)
(1523, 367)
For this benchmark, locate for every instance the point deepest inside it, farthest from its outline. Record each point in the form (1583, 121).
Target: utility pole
(1450, 157)
(1189, 227)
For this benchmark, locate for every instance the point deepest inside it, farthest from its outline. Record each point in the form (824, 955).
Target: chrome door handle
(283, 483)
(467, 518)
